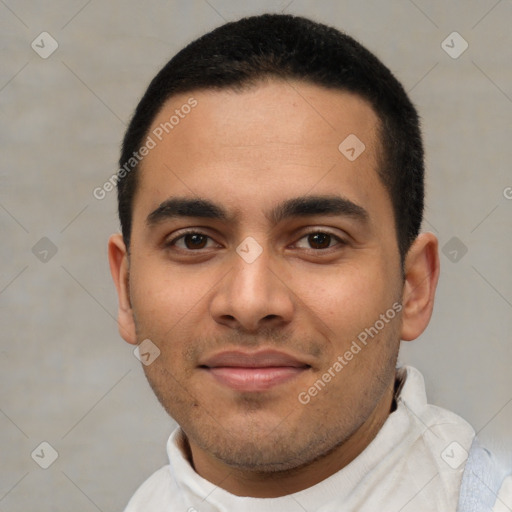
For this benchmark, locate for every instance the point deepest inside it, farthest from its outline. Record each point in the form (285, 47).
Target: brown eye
(192, 241)
(319, 240)
(195, 241)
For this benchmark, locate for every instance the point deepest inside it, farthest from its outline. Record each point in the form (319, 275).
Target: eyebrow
(303, 206)
(308, 206)
(186, 207)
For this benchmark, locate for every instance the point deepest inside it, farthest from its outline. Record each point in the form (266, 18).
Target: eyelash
(183, 234)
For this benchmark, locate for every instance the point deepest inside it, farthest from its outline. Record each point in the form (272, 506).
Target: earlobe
(119, 267)
(421, 276)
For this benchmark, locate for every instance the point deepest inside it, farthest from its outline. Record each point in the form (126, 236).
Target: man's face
(251, 310)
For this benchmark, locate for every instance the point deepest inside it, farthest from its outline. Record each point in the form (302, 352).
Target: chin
(258, 457)
(260, 445)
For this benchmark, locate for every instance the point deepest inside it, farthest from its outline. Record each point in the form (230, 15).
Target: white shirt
(414, 464)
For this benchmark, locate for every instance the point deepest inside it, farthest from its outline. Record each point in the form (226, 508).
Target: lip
(253, 372)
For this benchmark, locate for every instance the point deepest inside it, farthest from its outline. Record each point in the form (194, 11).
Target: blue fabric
(481, 481)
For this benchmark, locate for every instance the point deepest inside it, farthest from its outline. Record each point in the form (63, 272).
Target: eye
(319, 240)
(192, 240)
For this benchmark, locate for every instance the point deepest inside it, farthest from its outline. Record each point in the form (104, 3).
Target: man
(270, 197)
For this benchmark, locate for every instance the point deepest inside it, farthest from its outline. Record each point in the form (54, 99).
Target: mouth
(255, 372)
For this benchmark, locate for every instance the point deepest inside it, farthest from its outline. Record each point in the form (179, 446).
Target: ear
(421, 276)
(119, 267)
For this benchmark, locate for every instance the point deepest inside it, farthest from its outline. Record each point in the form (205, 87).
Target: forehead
(262, 145)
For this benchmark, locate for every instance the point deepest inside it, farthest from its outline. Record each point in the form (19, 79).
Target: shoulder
(486, 483)
(504, 500)
(155, 494)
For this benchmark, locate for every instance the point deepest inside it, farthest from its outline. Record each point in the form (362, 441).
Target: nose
(253, 296)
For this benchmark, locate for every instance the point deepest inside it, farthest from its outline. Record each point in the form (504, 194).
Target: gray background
(67, 377)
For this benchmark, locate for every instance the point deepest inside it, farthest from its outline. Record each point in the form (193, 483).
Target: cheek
(162, 297)
(346, 298)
